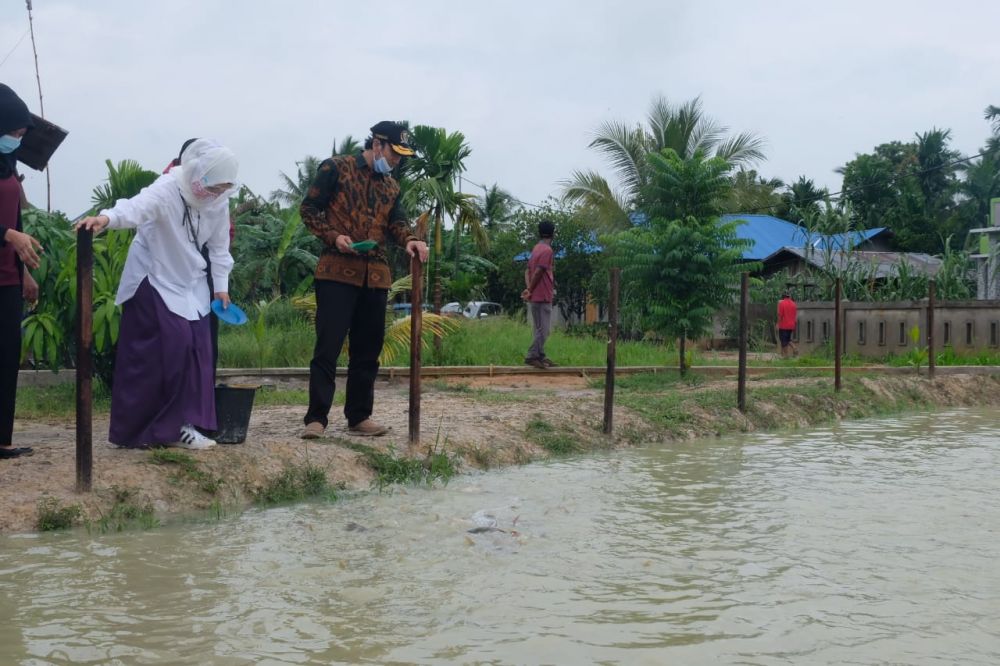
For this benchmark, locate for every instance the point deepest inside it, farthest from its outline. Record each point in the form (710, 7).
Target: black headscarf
(14, 115)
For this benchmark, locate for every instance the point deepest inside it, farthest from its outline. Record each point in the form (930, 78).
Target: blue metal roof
(769, 234)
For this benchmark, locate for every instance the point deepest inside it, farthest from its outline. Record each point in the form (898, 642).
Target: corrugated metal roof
(769, 234)
(881, 264)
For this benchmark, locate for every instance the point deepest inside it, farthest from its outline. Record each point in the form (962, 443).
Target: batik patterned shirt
(349, 198)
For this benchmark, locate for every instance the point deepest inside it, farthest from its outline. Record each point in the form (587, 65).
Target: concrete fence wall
(880, 329)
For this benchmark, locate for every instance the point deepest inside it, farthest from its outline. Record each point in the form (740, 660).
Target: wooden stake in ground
(609, 375)
(741, 377)
(416, 333)
(931, 297)
(84, 360)
(838, 335)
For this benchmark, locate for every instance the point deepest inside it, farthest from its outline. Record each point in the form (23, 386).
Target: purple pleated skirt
(163, 373)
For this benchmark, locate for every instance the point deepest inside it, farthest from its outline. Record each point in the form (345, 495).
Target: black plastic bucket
(233, 405)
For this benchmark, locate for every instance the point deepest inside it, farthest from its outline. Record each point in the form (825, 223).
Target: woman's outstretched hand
(95, 223)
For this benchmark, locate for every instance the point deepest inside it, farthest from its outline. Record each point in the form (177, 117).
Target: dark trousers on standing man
(357, 314)
(11, 308)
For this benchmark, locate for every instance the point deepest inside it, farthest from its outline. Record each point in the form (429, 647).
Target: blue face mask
(8, 143)
(381, 165)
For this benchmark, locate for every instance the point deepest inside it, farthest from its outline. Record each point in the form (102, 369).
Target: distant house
(769, 234)
(783, 246)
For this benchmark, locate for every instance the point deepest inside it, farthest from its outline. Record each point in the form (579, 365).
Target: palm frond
(397, 335)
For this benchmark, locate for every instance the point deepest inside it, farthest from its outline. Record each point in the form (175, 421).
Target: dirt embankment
(482, 422)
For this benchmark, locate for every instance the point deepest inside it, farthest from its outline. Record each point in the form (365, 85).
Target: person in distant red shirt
(540, 283)
(787, 316)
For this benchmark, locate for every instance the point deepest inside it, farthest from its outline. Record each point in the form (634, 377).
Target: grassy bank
(683, 408)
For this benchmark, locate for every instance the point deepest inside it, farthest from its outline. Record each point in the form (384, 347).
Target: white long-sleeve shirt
(164, 252)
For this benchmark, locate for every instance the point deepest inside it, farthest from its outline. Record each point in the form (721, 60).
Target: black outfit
(348, 197)
(366, 324)
(11, 308)
(14, 115)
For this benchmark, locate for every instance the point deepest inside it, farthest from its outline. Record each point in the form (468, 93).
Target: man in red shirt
(540, 282)
(787, 316)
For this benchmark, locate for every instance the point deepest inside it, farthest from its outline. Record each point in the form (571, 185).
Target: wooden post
(609, 375)
(416, 333)
(931, 297)
(741, 380)
(84, 360)
(838, 336)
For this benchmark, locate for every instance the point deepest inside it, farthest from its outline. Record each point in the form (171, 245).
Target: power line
(512, 197)
(11, 52)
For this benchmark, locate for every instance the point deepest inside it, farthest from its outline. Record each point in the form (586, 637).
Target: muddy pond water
(864, 543)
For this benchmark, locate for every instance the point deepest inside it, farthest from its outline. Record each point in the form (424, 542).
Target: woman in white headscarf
(163, 388)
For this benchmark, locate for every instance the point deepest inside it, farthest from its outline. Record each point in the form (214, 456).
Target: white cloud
(526, 82)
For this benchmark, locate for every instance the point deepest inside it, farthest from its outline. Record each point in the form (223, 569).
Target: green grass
(187, 469)
(503, 341)
(288, 345)
(129, 510)
(551, 438)
(35, 402)
(53, 515)
(392, 470)
(293, 484)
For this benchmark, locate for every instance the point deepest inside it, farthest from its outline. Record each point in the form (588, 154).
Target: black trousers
(357, 314)
(11, 309)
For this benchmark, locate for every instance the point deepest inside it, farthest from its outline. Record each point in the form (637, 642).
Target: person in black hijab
(18, 253)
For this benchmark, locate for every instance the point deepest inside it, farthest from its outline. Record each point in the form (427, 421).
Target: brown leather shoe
(367, 428)
(535, 363)
(313, 430)
(548, 363)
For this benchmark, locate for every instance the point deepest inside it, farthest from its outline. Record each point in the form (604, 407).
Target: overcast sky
(526, 82)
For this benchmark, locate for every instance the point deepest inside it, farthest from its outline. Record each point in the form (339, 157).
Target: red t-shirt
(787, 314)
(541, 258)
(10, 204)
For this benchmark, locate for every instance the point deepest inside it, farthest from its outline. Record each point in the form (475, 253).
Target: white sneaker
(192, 439)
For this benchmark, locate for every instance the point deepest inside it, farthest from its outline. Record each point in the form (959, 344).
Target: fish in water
(485, 528)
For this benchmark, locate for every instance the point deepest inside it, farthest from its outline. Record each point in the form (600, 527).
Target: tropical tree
(753, 193)
(495, 207)
(680, 268)
(431, 175)
(908, 187)
(293, 190)
(278, 255)
(684, 128)
(801, 200)
(992, 114)
(125, 180)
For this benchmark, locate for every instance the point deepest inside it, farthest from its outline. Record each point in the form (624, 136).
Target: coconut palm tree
(685, 128)
(294, 190)
(495, 207)
(801, 200)
(432, 172)
(753, 193)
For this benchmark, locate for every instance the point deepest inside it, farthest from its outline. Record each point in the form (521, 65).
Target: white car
(482, 309)
(453, 308)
